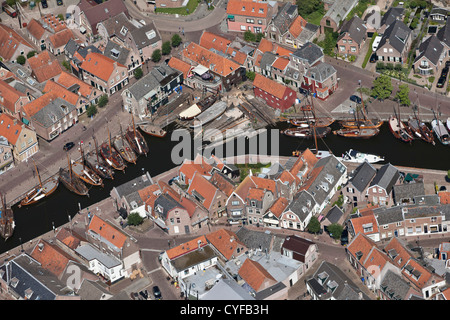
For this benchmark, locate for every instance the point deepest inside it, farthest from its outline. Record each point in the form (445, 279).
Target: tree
(31, 54)
(66, 65)
(382, 87)
(403, 95)
(156, 55)
(102, 101)
(91, 110)
(259, 36)
(336, 230)
(250, 75)
(314, 225)
(306, 7)
(134, 219)
(21, 60)
(249, 36)
(138, 73)
(166, 48)
(176, 40)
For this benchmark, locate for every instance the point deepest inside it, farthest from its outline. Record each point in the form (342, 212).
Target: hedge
(369, 52)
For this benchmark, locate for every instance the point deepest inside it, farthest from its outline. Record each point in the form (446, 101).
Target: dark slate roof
(115, 24)
(83, 51)
(391, 15)
(321, 72)
(116, 52)
(167, 203)
(407, 191)
(388, 215)
(355, 28)
(309, 52)
(386, 177)
(255, 239)
(71, 47)
(431, 49)
(440, 11)
(397, 34)
(285, 16)
(334, 214)
(263, 294)
(54, 109)
(142, 36)
(299, 205)
(362, 175)
(395, 284)
(103, 11)
(444, 33)
(298, 245)
(267, 59)
(134, 185)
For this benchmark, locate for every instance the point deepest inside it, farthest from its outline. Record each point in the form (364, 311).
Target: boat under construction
(7, 223)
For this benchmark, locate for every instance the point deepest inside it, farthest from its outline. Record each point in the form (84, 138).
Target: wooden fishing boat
(72, 182)
(98, 164)
(42, 190)
(399, 129)
(7, 223)
(365, 123)
(153, 130)
(85, 173)
(124, 148)
(318, 122)
(136, 140)
(307, 133)
(420, 130)
(111, 156)
(358, 133)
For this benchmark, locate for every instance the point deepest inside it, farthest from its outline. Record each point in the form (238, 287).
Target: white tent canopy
(200, 70)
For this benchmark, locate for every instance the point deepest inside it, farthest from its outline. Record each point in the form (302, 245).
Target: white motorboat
(448, 123)
(360, 157)
(440, 131)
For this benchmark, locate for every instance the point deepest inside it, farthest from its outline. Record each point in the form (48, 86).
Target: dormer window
(14, 282)
(123, 31)
(243, 8)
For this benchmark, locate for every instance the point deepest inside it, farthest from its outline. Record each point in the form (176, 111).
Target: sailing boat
(7, 223)
(306, 120)
(42, 190)
(440, 131)
(419, 128)
(363, 123)
(136, 140)
(111, 156)
(98, 164)
(360, 129)
(399, 129)
(71, 181)
(86, 174)
(124, 148)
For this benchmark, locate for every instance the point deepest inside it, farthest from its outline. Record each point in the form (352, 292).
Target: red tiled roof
(282, 52)
(36, 29)
(375, 261)
(44, 67)
(186, 247)
(210, 40)
(54, 23)
(361, 243)
(278, 206)
(188, 168)
(248, 8)
(10, 128)
(70, 238)
(180, 65)
(359, 222)
(51, 257)
(107, 231)
(10, 96)
(425, 275)
(60, 91)
(237, 55)
(270, 86)
(203, 187)
(255, 194)
(61, 38)
(149, 194)
(189, 205)
(255, 275)
(403, 255)
(265, 45)
(67, 80)
(99, 65)
(10, 40)
(297, 26)
(280, 63)
(222, 184)
(225, 241)
(444, 197)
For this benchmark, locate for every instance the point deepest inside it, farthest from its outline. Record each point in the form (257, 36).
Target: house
(37, 33)
(56, 42)
(429, 57)
(76, 54)
(300, 249)
(44, 67)
(299, 211)
(227, 289)
(334, 215)
(221, 73)
(352, 36)
(12, 100)
(93, 290)
(336, 14)
(272, 216)
(379, 190)
(307, 56)
(6, 155)
(189, 167)
(276, 95)
(227, 245)
(20, 137)
(251, 16)
(62, 92)
(258, 200)
(108, 239)
(321, 80)
(439, 15)
(181, 66)
(121, 55)
(406, 192)
(357, 184)
(199, 216)
(145, 40)
(389, 18)
(331, 283)
(444, 36)
(254, 274)
(152, 91)
(365, 224)
(394, 287)
(395, 43)
(50, 115)
(116, 28)
(170, 215)
(422, 279)
(126, 195)
(14, 44)
(210, 41)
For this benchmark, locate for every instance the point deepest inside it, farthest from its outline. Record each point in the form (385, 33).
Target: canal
(35, 220)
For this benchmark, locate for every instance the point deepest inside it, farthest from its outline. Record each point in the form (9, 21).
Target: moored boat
(307, 133)
(317, 122)
(111, 156)
(365, 133)
(124, 148)
(365, 124)
(7, 223)
(72, 182)
(136, 140)
(42, 190)
(448, 123)
(441, 132)
(153, 130)
(86, 174)
(420, 130)
(98, 164)
(360, 157)
(399, 130)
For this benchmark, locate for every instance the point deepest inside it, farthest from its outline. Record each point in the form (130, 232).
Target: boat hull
(73, 183)
(441, 132)
(136, 141)
(421, 130)
(360, 157)
(307, 133)
(399, 130)
(102, 169)
(86, 174)
(318, 122)
(124, 149)
(38, 193)
(7, 224)
(357, 133)
(112, 157)
(153, 130)
(361, 124)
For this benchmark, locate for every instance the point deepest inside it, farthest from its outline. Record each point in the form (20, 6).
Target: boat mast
(70, 167)
(313, 124)
(37, 172)
(96, 149)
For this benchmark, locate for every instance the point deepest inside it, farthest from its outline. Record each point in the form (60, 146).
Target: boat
(448, 123)
(98, 164)
(307, 133)
(215, 111)
(72, 182)
(420, 130)
(361, 133)
(111, 156)
(136, 140)
(197, 108)
(85, 173)
(319, 154)
(7, 223)
(440, 131)
(309, 117)
(361, 123)
(124, 148)
(360, 157)
(152, 129)
(42, 190)
(399, 129)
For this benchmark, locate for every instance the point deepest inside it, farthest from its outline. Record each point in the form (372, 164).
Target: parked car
(440, 82)
(344, 237)
(447, 64)
(355, 99)
(303, 91)
(373, 58)
(44, 4)
(144, 294)
(444, 72)
(157, 293)
(68, 146)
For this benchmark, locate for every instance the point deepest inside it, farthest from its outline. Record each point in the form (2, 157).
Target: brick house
(321, 80)
(276, 95)
(251, 16)
(379, 190)
(256, 276)
(37, 33)
(395, 43)
(226, 244)
(301, 249)
(271, 217)
(14, 44)
(336, 14)
(257, 202)
(357, 184)
(299, 211)
(429, 57)
(44, 66)
(57, 41)
(365, 224)
(170, 215)
(352, 36)
(12, 100)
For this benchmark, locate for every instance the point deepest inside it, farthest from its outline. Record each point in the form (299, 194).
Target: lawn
(246, 167)
(315, 17)
(184, 11)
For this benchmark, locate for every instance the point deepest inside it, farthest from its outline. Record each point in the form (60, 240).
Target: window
(243, 28)
(410, 230)
(433, 219)
(418, 229)
(234, 203)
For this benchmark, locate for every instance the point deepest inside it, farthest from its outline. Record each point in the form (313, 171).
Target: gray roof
(118, 26)
(116, 52)
(356, 29)
(394, 286)
(308, 32)
(439, 11)
(93, 290)
(388, 215)
(193, 258)
(71, 47)
(334, 214)
(144, 37)
(270, 291)
(407, 191)
(267, 59)
(309, 52)
(386, 177)
(444, 33)
(134, 185)
(431, 49)
(53, 112)
(255, 239)
(397, 34)
(166, 203)
(340, 9)
(88, 252)
(226, 289)
(320, 72)
(392, 15)
(285, 16)
(362, 175)
(299, 205)
(385, 215)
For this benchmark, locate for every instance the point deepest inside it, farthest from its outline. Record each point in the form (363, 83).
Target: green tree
(249, 36)
(259, 36)
(21, 60)
(382, 87)
(156, 55)
(306, 7)
(336, 230)
(134, 219)
(66, 65)
(102, 101)
(91, 110)
(250, 75)
(176, 40)
(166, 48)
(138, 73)
(314, 225)
(31, 54)
(403, 95)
